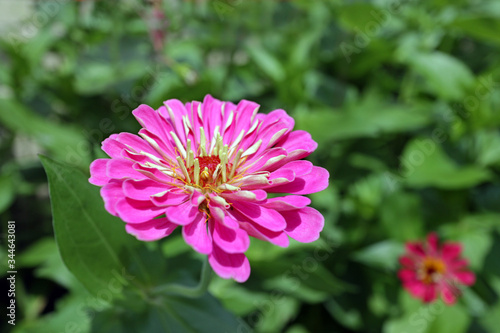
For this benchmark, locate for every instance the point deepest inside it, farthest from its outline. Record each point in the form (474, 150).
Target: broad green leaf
(424, 163)
(92, 242)
(445, 75)
(170, 314)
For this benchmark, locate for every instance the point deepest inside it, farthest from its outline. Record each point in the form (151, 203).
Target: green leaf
(384, 254)
(400, 214)
(424, 163)
(92, 242)
(173, 314)
(361, 120)
(446, 76)
(267, 62)
(70, 316)
(7, 192)
(355, 16)
(45, 256)
(63, 141)
(480, 27)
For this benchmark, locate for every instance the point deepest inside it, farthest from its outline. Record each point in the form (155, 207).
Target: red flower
(430, 270)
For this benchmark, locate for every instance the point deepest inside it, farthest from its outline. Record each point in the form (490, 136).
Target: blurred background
(402, 97)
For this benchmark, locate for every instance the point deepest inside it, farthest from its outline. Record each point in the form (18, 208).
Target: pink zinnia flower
(430, 270)
(208, 167)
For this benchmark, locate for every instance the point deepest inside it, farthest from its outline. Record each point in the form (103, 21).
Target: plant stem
(191, 292)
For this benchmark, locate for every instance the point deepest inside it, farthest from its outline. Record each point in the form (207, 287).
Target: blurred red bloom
(430, 270)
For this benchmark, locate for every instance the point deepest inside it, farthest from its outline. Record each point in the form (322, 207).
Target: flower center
(432, 269)
(211, 167)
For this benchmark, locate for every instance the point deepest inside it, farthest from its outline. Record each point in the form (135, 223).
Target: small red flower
(430, 270)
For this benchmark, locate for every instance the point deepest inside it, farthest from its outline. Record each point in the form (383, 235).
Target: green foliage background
(401, 95)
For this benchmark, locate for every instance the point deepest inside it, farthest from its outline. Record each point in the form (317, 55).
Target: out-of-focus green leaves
(381, 255)
(481, 27)
(425, 163)
(446, 76)
(7, 192)
(64, 142)
(361, 120)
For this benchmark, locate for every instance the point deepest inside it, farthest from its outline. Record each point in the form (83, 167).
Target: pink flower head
(430, 270)
(208, 168)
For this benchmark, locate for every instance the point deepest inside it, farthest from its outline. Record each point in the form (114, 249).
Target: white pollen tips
(183, 168)
(190, 159)
(223, 163)
(235, 162)
(178, 144)
(188, 153)
(253, 148)
(197, 172)
(203, 142)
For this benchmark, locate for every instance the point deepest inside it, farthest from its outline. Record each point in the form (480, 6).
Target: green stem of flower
(191, 292)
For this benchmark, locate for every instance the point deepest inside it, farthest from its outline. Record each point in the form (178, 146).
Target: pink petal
(219, 215)
(111, 194)
(313, 182)
(230, 240)
(151, 120)
(466, 278)
(449, 293)
(298, 144)
(407, 262)
(119, 169)
(252, 196)
(142, 189)
(457, 264)
(266, 160)
(136, 211)
(267, 218)
(407, 275)
(277, 238)
(303, 225)
(112, 147)
(289, 202)
(451, 251)
(173, 111)
(415, 248)
(98, 172)
(136, 144)
(416, 288)
(430, 293)
(229, 265)
(151, 230)
(211, 109)
(196, 234)
(432, 241)
(183, 214)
